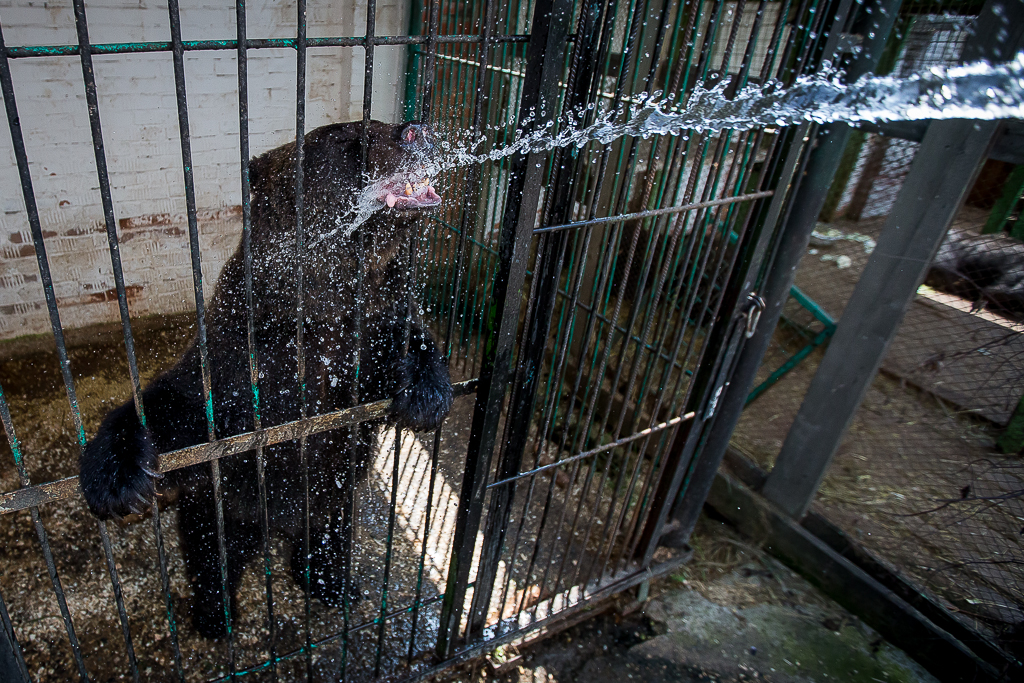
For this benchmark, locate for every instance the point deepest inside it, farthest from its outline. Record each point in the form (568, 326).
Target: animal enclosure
(929, 477)
(590, 301)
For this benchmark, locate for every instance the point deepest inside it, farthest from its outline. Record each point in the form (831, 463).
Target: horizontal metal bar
(620, 582)
(600, 449)
(18, 52)
(655, 212)
(62, 489)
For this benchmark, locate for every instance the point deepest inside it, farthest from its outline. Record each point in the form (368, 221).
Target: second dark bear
(116, 469)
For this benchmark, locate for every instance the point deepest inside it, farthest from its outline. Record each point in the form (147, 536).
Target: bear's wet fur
(118, 467)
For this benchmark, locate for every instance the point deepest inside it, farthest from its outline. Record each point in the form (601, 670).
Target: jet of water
(980, 91)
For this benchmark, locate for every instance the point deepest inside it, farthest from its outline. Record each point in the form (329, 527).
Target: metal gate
(592, 299)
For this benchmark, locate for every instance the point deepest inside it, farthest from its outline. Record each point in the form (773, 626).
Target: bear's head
(396, 185)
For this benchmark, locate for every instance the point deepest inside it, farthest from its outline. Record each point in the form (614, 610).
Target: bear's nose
(416, 136)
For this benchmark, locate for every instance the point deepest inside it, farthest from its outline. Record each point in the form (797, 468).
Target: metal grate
(589, 299)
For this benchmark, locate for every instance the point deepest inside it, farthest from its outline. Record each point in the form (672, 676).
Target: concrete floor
(732, 614)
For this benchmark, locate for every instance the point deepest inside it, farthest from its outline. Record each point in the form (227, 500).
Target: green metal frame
(1005, 205)
(1012, 439)
(817, 340)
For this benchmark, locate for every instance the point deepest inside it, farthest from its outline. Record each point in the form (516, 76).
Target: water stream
(980, 91)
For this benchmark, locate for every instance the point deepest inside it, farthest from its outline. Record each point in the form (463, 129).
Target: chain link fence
(929, 477)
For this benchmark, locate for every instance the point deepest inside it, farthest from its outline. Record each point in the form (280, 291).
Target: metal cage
(591, 300)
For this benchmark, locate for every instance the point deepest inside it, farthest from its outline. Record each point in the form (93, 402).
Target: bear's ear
(259, 168)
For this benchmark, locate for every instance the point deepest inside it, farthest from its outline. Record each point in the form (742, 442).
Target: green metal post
(412, 64)
(1012, 439)
(1004, 206)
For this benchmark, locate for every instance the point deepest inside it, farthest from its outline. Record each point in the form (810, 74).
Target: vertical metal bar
(88, 75)
(540, 94)
(165, 584)
(184, 133)
(427, 103)
(412, 60)
(25, 176)
(944, 169)
(300, 318)
(92, 100)
(382, 616)
(550, 258)
(108, 552)
(605, 272)
(12, 664)
(250, 306)
(58, 589)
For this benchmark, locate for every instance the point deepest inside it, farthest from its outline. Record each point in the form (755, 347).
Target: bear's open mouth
(409, 193)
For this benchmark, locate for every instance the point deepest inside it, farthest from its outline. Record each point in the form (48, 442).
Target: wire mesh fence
(929, 477)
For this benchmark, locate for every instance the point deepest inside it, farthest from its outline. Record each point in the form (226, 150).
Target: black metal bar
(432, 39)
(25, 176)
(640, 287)
(108, 551)
(250, 305)
(543, 292)
(544, 61)
(603, 278)
(634, 28)
(184, 134)
(382, 619)
(12, 664)
(804, 204)
(165, 584)
(122, 300)
(92, 100)
(300, 316)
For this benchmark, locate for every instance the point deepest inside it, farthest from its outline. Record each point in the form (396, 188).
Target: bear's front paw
(117, 468)
(423, 400)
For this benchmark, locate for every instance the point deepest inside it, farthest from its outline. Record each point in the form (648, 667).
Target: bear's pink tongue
(423, 196)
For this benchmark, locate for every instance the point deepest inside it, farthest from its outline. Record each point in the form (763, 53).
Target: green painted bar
(194, 45)
(1012, 439)
(1006, 203)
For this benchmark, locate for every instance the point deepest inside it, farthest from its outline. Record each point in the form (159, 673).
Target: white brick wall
(140, 128)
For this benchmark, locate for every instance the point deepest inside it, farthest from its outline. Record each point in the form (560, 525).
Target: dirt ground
(917, 479)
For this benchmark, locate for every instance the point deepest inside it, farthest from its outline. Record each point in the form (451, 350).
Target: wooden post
(943, 171)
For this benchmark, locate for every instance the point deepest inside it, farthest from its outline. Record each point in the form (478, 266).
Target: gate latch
(753, 313)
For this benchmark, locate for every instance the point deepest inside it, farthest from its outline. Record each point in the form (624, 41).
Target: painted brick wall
(139, 116)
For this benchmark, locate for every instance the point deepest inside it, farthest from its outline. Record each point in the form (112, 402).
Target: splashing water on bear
(980, 91)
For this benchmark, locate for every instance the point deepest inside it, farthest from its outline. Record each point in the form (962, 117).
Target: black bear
(117, 468)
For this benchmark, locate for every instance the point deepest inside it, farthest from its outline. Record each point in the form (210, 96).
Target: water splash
(980, 91)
